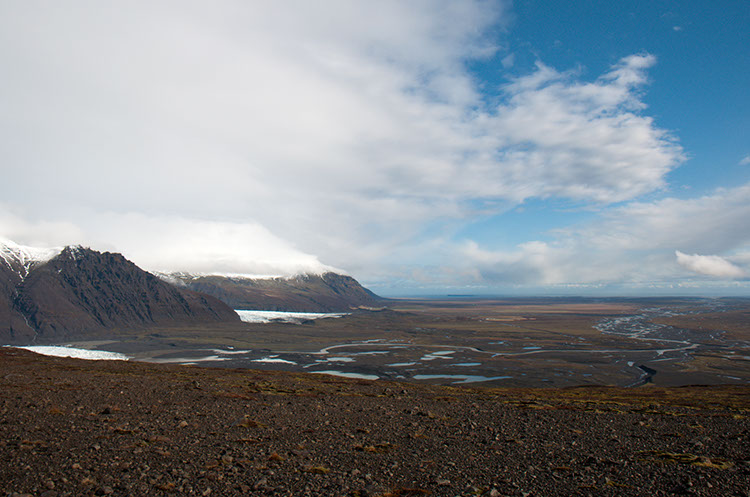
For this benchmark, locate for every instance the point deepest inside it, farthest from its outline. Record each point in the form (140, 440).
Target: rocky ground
(73, 427)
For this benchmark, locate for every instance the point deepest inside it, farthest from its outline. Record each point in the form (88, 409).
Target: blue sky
(424, 147)
(697, 88)
(697, 91)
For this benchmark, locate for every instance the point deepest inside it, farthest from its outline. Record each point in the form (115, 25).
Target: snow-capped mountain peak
(21, 258)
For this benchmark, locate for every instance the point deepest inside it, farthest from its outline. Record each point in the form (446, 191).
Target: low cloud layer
(173, 243)
(710, 265)
(629, 246)
(209, 247)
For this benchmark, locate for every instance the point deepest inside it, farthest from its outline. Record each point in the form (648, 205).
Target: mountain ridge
(59, 294)
(309, 292)
(79, 291)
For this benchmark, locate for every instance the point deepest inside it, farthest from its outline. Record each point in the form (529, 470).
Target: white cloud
(710, 265)
(745, 161)
(560, 137)
(531, 263)
(173, 243)
(633, 245)
(508, 60)
(208, 246)
(713, 223)
(337, 129)
(16, 227)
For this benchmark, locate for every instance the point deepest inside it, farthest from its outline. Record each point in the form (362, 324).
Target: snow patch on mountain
(181, 277)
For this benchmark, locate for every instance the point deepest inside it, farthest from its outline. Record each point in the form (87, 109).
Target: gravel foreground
(74, 427)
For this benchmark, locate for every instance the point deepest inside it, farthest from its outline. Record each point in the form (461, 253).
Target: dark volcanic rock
(13, 325)
(82, 290)
(122, 428)
(329, 292)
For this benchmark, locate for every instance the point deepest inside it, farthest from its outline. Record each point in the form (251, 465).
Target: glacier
(57, 351)
(285, 317)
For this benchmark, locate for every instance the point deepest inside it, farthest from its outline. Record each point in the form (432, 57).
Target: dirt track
(72, 427)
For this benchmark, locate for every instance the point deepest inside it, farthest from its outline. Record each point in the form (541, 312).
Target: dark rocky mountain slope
(329, 292)
(81, 290)
(12, 322)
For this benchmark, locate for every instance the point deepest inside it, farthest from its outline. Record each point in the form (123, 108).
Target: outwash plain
(557, 342)
(644, 397)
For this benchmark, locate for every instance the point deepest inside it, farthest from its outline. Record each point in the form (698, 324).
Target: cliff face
(81, 290)
(13, 326)
(329, 292)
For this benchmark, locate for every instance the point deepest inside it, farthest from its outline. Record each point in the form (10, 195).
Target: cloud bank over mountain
(267, 137)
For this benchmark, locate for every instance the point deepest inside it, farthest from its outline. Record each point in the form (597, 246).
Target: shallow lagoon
(463, 378)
